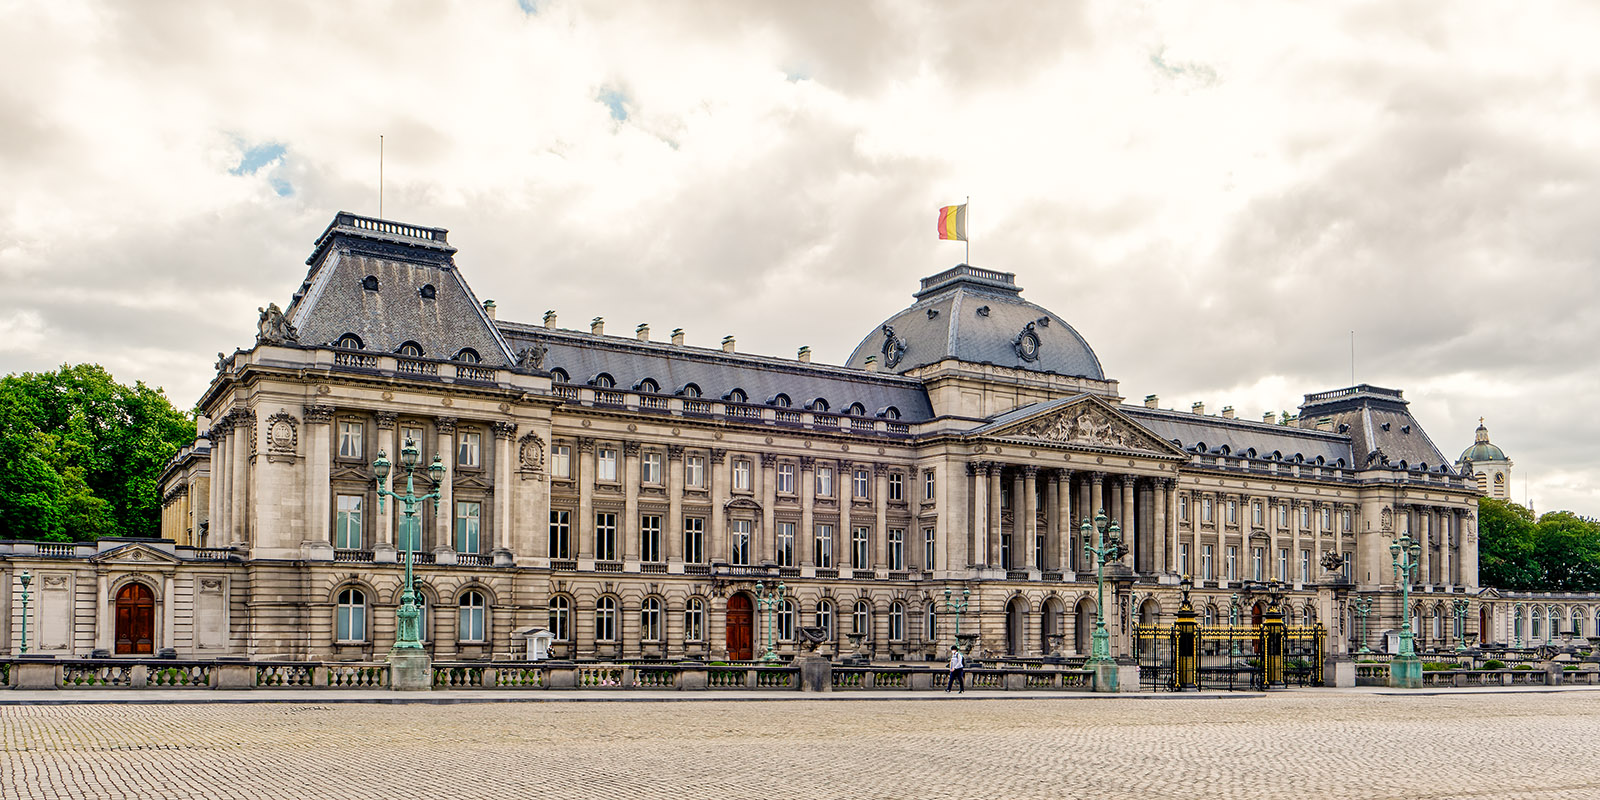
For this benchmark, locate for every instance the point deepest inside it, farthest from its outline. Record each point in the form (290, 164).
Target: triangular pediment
(134, 553)
(1083, 422)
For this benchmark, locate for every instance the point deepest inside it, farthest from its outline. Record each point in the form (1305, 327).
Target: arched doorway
(136, 620)
(1149, 612)
(1483, 624)
(1083, 635)
(741, 618)
(1050, 627)
(1255, 614)
(1016, 627)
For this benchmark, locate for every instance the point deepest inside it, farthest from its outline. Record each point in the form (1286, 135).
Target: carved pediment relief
(1088, 424)
(743, 502)
(134, 555)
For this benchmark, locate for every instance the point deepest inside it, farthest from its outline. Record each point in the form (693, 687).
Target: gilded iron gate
(1188, 655)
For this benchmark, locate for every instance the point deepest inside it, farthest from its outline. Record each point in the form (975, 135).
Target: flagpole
(968, 240)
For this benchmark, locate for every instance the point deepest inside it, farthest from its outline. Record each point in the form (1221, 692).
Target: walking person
(958, 672)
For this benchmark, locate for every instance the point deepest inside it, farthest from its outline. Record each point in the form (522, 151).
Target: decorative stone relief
(1088, 426)
(274, 328)
(1027, 344)
(894, 347)
(283, 437)
(531, 358)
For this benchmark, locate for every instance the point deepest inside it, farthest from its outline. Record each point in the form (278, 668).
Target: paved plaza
(1309, 744)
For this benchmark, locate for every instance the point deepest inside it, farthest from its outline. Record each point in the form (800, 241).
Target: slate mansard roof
(977, 315)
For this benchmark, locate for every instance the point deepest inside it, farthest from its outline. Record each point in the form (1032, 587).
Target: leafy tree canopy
(81, 455)
(1558, 552)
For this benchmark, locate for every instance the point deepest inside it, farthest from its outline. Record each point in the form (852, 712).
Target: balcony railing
(355, 360)
(406, 366)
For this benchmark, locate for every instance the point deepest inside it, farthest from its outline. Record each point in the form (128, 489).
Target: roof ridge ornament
(894, 347)
(1027, 343)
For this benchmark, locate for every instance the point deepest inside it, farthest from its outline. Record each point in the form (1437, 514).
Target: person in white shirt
(958, 672)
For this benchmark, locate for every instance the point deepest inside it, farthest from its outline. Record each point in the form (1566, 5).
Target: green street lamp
(1459, 606)
(407, 633)
(1106, 548)
(957, 606)
(26, 579)
(1363, 606)
(768, 602)
(1405, 670)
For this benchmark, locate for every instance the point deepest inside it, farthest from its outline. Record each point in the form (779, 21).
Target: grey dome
(977, 315)
(1481, 449)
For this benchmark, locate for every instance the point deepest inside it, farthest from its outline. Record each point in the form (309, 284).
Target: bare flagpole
(380, 176)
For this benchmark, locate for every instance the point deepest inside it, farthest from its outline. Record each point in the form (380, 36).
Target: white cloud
(1213, 195)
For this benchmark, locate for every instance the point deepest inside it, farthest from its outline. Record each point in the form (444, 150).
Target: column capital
(880, 469)
(1099, 478)
(446, 425)
(718, 455)
(808, 463)
(1030, 471)
(674, 452)
(385, 420)
(769, 460)
(505, 430)
(315, 415)
(1169, 484)
(972, 468)
(585, 444)
(630, 449)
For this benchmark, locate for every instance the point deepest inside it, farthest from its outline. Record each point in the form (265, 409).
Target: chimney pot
(872, 363)
(488, 308)
(1151, 401)
(597, 326)
(643, 332)
(727, 344)
(677, 336)
(805, 355)
(1199, 408)
(550, 319)
(1227, 412)
(1269, 417)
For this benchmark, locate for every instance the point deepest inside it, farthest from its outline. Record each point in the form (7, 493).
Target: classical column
(1469, 550)
(217, 530)
(807, 535)
(444, 507)
(583, 526)
(1051, 558)
(1065, 545)
(244, 431)
(1130, 527)
(1425, 532)
(385, 518)
(977, 531)
(673, 530)
(1027, 520)
(718, 548)
(319, 455)
(1170, 493)
(1159, 540)
(994, 515)
(630, 501)
(505, 434)
(1097, 500)
(104, 623)
(845, 491)
(880, 522)
(768, 486)
(169, 607)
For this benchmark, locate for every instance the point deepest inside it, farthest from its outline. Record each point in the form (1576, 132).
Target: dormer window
(856, 410)
(689, 390)
(736, 396)
(818, 404)
(560, 375)
(468, 356)
(411, 349)
(648, 385)
(780, 400)
(603, 381)
(890, 413)
(349, 341)
(370, 283)
(428, 292)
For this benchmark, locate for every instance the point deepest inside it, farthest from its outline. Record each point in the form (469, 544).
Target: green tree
(80, 454)
(1567, 549)
(1506, 546)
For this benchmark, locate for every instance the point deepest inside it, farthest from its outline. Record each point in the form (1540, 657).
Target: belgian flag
(953, 222)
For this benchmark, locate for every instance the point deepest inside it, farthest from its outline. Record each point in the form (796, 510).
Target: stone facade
(629, 493)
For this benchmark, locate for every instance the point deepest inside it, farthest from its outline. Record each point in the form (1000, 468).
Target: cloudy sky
(1215, 194)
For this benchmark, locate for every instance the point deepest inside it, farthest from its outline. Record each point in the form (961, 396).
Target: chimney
(550, 318)
(1150, 401)
(488, 308)
(1199, 408)
(642, 332)
(727, 344)
(597, 326)
(1227, 412)
(677, 336)
(805, 355)
(1269, 417)
(872, 363)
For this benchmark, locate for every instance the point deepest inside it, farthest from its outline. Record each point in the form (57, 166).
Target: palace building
(628, 493)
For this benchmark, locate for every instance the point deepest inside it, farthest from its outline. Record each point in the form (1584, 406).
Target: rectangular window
(1258, 566)
(786, 544)
(650, 468)
(347, 527)
(928, 485)
(1005, 552)
(350, 434)
(897, 486)
(650, 538)
(469, 453)
(1205, 510)
(824, 535)
(859, 489)
(605, 536)
(1327, 519)
(469, 515)
(1183, 559)
(606, 464)
(560, 461)
(1344, 566)
(694, 540)
(741, 475)
(1233, 562)
(930, 552)
(1305, 517)
(694, 472)
(786, 478)
(860, 549)
(1305, 565)
(1345, 517)
(824, 481)
(1283, 563)
(1205, 562)
(1255, 514)
(1283, 515)
(1183, 507)
(560, 534)
(1233, 512)
(740, 539)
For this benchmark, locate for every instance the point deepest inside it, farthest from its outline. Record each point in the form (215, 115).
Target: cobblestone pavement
(1298, 745)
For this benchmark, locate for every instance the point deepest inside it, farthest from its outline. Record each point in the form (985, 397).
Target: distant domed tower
(1489, 464)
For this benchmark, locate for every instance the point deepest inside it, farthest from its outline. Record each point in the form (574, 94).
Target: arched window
(370, 283)
(428, 292)
(930, 623)
(861, 620)
(560, 622)
(897, 621)
(559, 375)
(468, 356)
(1516, 626)
(786, 620)
(650, 620)
(690, 390)
(648, 385)
(1555, 624)
(470, 610)
(890, 412)
(856, 410)
(780, 400)
(350, 618)
(818, 404)
(737, 396)
(411, 349)
(605, 619)
(424, 632)
(1210, 616)
(825, 619)
(694, 620)
(1438, 623)
(350, 341)
(603, 381)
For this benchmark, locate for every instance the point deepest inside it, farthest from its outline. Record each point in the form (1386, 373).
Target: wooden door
(136, 620)
(740, 621)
